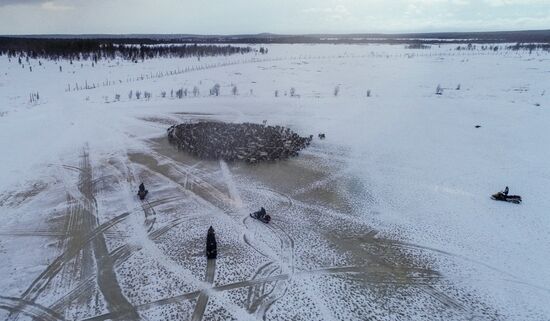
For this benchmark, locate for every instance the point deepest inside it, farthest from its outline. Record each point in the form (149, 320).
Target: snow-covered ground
(389, 218)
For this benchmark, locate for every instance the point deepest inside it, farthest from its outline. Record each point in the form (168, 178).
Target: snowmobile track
(420, 281)
(87, 222)
(39, 284)
(118, 256)
(29, 308)
(202, 301)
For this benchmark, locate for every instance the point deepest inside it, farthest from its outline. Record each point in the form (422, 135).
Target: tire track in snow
(189, 181)
(29, 308)
(375, 276)
(105, 273)
(151, 248)
(119, 256)
(257, 298)
(42, 281)
(260, 298)
(255, 292)
(83, 225)
(202, 301)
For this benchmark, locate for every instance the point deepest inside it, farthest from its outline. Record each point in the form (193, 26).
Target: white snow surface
(429, 172)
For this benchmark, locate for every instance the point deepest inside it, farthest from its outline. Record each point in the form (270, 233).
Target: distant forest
(98, 49)
(142, 47)
(515, 47)
(524, 36)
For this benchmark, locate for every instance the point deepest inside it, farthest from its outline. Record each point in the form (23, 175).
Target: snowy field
(388, 218)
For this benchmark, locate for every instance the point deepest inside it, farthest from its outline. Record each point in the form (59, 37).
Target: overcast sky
(277, 16)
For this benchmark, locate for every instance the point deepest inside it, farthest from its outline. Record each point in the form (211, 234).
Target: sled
(142, 194)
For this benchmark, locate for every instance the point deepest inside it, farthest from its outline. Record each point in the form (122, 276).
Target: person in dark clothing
(506, 190)
(211, 244)
(141, 187)
(262, 212)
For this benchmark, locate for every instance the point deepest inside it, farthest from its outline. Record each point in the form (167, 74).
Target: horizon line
(276, 34)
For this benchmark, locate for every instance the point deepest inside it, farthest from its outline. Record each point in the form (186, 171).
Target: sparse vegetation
(215, 90)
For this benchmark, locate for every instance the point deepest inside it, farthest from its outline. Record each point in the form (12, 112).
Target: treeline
(516, 47)
(97, 49)
(529, 46)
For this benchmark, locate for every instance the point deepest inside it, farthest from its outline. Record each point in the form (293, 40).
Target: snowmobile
(503, 196)
(142, 192)
(211, 245)
(261, 215)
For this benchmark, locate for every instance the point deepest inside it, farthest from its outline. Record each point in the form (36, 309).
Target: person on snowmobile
(262, 212)
(141, 187)
(506, 190)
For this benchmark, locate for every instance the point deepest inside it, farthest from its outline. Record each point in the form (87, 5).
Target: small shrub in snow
(34, 97)
(292, 92)
(196, 91)
(234, 91)
(276, 93)
(130, 94)
(368, 93)
(138, 94)
(163, 94)
(117, 97)
(336, 91)
(215, 91)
